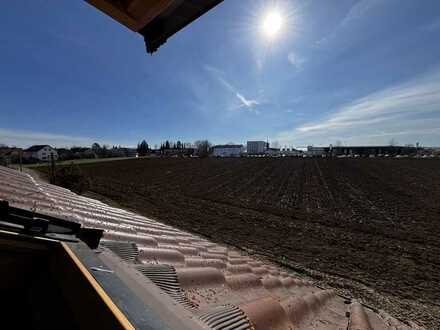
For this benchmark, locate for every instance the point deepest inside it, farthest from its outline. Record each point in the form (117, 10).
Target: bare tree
(203, 148)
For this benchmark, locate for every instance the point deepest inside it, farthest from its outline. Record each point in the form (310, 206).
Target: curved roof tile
(219, 286)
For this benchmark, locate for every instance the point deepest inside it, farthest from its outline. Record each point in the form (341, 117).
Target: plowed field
(368, 226)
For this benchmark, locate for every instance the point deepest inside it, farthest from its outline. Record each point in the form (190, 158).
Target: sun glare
(272, 24)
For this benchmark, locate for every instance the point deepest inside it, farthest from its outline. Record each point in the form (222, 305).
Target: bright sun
(272, 24)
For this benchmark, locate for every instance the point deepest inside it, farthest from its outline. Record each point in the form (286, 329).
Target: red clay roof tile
(221, 287)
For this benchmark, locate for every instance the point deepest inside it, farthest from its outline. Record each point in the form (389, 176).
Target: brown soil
(367, 227)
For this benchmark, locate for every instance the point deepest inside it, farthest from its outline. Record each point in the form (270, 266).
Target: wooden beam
(145, 11)
(89, 303)
(116, 13)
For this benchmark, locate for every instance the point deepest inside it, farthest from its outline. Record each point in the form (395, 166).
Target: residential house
(41, 153)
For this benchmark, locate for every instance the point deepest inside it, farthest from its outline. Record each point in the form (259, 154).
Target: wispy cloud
(432, 26)
(244, 102)
(399, 110)
(26, 138)
(296, 60)
(356, 12)
(406, 99)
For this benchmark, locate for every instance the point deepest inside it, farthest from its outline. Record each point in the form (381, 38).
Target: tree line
(201, 148)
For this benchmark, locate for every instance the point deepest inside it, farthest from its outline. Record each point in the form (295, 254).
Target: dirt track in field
(367, 227)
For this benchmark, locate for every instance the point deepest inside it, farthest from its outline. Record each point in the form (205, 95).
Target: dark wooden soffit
(156, 20)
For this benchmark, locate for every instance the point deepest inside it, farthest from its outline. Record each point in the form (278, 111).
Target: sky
(361, 72)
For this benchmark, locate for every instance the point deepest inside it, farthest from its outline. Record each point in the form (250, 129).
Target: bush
(72, 178)
(203, 148)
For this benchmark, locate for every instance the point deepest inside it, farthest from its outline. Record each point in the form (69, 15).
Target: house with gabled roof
(41, 152)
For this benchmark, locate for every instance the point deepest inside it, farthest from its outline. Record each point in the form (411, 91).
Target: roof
(156, 20)
(188, 278)
(37, 147)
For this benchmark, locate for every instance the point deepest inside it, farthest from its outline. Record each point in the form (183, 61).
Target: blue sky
(362, 72)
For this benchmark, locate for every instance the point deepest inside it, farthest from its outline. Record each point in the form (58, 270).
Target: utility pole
(21, 160)
(52, 168)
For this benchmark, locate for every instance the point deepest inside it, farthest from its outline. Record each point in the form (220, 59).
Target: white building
(256, 147)
(41, 152)
(229, 150)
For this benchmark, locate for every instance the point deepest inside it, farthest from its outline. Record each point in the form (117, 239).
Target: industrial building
(362, 151)
(371, 150)
(316, 151)
(228, 150)
(256, 147)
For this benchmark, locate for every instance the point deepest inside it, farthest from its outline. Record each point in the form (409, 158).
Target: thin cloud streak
(432, 26)
(296, 60)
(408, 109)
(409, 99)
(244, 102)
(356, 12)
